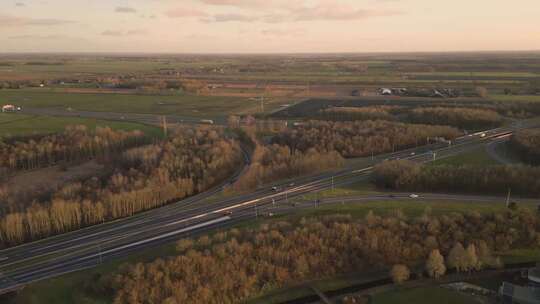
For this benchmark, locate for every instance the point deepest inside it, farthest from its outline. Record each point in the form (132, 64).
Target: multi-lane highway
(91, 246)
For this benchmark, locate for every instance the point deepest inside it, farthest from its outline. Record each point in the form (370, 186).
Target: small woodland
(360, 138)
(526, 143)
(499, 179)
(189, 161)
(235, 265)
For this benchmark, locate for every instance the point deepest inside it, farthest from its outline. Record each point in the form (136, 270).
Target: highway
(91, 246)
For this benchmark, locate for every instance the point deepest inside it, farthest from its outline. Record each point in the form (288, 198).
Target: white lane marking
(200, 225)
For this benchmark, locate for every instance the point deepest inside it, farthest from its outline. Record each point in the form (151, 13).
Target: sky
(268, 26)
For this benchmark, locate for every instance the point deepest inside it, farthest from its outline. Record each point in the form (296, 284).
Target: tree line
(498, 179)
(460, 117)
(75, 143)
(360, 138)
(275, 162)
(465, 118)
(236, 265)
(527, 145)
(190, 161)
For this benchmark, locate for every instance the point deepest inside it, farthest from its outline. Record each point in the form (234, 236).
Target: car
(227, 213)
(483, 135)
(269, 214)
(291, 185)
(275, 188)
(391, 196)
(414, 196)
(413, 154)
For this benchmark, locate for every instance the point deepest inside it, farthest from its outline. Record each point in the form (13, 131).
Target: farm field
(22, 125)
(477, 156)
(187, 105)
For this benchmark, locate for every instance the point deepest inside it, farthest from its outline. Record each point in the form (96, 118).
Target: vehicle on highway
(391, 196)
(227, 213)
(414, 196)
(413, 154)
(291, 185)
(483, 135)
(275, 188)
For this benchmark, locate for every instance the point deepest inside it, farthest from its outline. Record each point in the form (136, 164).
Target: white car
(414, 196)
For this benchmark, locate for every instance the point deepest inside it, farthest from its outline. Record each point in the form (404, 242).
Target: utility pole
(164, 124)
(332, 183)
(434, 155)
(508, 198)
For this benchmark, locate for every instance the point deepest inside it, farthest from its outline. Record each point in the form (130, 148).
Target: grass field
(477, 156)
(19, 124)
(181, 104)
(426, 295)
(514, 98)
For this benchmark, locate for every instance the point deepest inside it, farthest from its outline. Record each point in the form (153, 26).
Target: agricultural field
(22, 125)
(181, 104)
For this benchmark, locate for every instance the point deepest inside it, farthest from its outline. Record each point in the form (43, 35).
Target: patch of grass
(363, 187)
(516, 98)
(412, 207)
(19, 124)
(426, 295)
(478, 156)
(179, 104)
(521, 256)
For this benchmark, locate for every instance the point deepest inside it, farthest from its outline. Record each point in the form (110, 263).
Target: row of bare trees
(499, 179)
(233, 266)
(275, 162)
(190, 161)
(360, 138)
(465, 118)
(75, 143)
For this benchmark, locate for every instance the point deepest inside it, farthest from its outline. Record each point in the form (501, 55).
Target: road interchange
(91, 246)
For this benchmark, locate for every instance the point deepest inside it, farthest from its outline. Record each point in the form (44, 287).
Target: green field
(179, 104)
(19, 124)
(478, 156)
(515, 98)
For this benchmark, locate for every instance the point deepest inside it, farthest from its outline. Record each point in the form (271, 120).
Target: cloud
(112, 33)
(125, 9)
(230, 18)
(185, 13)
(283, 32)
(255, 3)
(12, 21)
(338, 12)
(295, 11)
(35, 37)
(20, 4)
(116, 33)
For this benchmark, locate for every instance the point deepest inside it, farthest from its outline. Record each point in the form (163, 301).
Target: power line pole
(508, 198)
(164, 125)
